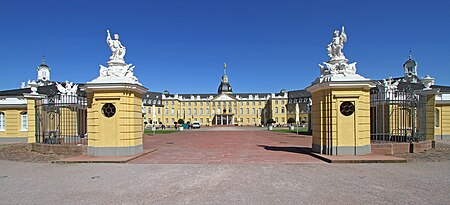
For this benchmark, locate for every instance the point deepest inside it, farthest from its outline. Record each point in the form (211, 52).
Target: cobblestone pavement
(237, 146)
(311, 183)
(438, 154)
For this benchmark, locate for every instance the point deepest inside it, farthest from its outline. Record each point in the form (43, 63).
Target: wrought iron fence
(397, 115)
(61, 119)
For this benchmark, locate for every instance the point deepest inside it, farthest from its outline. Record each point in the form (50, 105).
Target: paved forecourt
(227, 145)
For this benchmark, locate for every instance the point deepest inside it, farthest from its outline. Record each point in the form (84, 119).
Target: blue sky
(181, 45)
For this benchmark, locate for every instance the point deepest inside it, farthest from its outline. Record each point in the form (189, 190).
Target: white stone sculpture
(337, 67)
(427, 82)
(69, 89)
(117, 49)
(390, 86)
(337, 44)
(117, 71)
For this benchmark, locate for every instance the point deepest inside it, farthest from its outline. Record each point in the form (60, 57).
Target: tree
(270, 121)
(291, 120)
(180, 121)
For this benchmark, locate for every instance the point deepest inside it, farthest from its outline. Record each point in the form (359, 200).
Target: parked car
(196, 125)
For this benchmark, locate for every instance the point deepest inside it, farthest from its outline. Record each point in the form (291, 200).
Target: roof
(299, 94)
(46, 89)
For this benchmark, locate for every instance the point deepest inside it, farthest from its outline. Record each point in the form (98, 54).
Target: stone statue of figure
(337, 44)
(118, 50)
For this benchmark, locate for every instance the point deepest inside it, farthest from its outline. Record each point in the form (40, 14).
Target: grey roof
(299, 94)
(46, 90)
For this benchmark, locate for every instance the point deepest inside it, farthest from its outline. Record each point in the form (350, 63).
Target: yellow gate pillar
(114, 107)
(33, 100)
(340, 105)
(114, 119)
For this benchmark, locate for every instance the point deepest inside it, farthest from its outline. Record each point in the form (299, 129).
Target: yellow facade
(442, 121)
(245, 112)
(120, 134)
(14, 129)
(333, 132)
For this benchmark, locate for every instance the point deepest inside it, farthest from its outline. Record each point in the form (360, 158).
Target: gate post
(114, 111)
(33, 100)
(340, 105)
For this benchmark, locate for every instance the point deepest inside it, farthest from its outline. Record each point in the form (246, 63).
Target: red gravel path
(206, 147)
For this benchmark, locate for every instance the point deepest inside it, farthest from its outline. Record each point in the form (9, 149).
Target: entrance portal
(224, 119)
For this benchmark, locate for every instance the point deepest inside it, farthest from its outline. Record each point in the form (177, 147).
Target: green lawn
(150, 132)
(286, 130)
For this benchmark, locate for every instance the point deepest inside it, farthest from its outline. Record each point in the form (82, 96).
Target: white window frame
(24, 121)
(2, 121)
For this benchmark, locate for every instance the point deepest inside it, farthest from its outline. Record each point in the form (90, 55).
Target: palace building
(226, 107)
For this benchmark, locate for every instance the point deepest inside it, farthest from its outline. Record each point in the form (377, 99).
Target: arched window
(24, 120)
(2, 121)
(201, 111)
(207, 111)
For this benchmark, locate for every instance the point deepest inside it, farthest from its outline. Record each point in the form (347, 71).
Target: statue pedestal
(341, 117)
(114, 115)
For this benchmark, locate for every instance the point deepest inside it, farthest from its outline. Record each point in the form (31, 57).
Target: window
(159, 111)
(173, 120)
(242, 111)
(201, 111)
(253, 103)
(276, 119)
(254, 120)
(24, 120)
(201, 120)
(282, 119)
(167, 120)
(207, 111)
(149, 110)
(282, 109)
(173, 102)
(167, 111)
(437, 117)
(195, 103)
(259, 103)
(2, 121)
(173, 111)
(253, 111)
(276, 102)
(248, 111)
(248, 103)
(259, 111)
(189, 111)
(195, 111)
(282, 102)
(201, 103)
(276, 109)
(248, 120)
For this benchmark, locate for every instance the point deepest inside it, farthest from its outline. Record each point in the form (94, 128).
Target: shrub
(180, 121)
(291, 120)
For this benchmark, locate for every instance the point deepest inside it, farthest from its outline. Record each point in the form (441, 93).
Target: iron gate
(61, 119)
(397, 115)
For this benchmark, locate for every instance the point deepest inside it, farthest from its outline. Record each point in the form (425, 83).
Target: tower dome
(43, 72)
(410, 68)
(225, 86)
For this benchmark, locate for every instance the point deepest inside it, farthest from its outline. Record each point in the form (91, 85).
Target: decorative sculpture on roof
(337, 44)
(117, 70)
(337, 67)
(117, 49)
(69, 89)
(390, 85)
